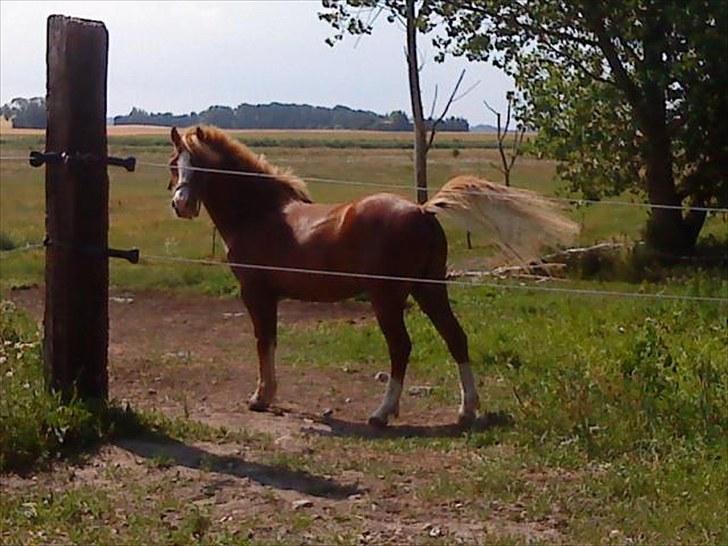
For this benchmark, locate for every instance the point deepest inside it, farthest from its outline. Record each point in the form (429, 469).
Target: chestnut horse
(267, 218)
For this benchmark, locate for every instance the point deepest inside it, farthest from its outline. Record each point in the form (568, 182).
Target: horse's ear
(200, 134)
(176, 139)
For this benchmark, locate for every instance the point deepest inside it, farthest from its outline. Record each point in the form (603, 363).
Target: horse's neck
(233, 208)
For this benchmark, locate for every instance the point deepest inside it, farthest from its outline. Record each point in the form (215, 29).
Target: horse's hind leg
(433, 300)
(389, 309)
(264, 315)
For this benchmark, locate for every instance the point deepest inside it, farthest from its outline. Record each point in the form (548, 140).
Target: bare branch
(421, 61)
(501, 135)
(467, 91)
(370, 21)
(496, 167)
(507, 160)
(516, 149)
(434, 103)
(439, 120)
(508, 116)
(433, 130)
(489, 107)
(452, 95)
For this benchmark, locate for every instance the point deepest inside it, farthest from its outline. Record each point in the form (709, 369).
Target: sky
(186, 56)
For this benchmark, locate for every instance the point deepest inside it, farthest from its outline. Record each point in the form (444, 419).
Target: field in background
(606, 418)
(141, 217)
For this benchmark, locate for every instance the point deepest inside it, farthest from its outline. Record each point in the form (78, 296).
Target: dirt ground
(192, 355)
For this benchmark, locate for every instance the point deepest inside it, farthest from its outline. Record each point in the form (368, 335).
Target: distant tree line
(26, 113)
(285, 116)
(31, 113)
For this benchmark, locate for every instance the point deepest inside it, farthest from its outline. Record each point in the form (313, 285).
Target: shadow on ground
(348, 429)
(277, 476)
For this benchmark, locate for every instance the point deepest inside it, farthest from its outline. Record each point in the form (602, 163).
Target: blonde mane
(218, 150)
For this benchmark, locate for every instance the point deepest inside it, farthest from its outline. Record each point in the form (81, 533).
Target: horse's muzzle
(184, 205)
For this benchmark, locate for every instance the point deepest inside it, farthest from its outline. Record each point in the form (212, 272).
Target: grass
(628, 399)
(85, 515)
(292, 139)
(37, 427)
(616, 409)
(615, 375)
(140, 215)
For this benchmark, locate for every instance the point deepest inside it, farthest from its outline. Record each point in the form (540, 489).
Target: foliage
(284, 116)
(629, 97)
(37, 427)
(6, 242)
(357, 17)
(30, 113)
(34, 424)
(651, 396)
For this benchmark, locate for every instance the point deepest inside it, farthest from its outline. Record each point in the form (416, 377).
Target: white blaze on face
(181, 196)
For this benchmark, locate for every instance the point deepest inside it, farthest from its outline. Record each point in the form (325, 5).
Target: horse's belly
(319, 287)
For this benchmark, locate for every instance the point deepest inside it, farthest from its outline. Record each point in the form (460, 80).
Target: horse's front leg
(263, 309)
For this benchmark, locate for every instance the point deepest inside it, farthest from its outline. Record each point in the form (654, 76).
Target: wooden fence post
(77, 210)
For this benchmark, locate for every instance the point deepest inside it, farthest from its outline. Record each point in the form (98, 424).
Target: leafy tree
(626, 95)
(284, 116)
(26, 113)
(357, 17)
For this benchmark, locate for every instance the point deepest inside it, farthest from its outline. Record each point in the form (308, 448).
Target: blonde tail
(520, 222)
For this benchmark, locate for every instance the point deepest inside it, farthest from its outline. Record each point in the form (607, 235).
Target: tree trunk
(416, 99)
(667, 230)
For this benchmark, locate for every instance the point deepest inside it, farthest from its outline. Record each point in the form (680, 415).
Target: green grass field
(140, 215)
(617, 409)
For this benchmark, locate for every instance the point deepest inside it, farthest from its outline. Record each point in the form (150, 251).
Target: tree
(357, 17)
(627, 95)
(508, 156)
(26, 113)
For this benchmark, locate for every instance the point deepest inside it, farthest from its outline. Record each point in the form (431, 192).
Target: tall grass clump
(666, 385)
(6, 242)
(35, 426)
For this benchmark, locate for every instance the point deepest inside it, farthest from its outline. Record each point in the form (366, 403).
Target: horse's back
(376, 224)
(380, 234)
(401, 231)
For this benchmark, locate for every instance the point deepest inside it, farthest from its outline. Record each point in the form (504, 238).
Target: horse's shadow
(349, 429)
(160, 447)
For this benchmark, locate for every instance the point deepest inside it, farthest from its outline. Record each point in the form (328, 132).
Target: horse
(281, 244)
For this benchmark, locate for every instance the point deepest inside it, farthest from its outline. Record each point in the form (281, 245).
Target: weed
(6, 242)
(36, 426)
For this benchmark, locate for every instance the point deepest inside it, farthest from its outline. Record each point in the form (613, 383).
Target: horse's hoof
(466, 419)
(377, 422)
(257, 405)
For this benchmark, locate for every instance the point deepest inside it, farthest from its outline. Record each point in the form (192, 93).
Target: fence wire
(451, 282)
(342, 182)
(528, 287)
(359, 183)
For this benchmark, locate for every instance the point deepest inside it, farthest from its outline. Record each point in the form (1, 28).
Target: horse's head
(184, 183)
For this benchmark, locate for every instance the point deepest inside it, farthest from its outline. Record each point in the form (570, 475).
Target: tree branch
(571, 61)
(434, 103)
(439, 120)
(595, 21)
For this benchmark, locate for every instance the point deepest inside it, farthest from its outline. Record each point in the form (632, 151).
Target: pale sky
(185, 56)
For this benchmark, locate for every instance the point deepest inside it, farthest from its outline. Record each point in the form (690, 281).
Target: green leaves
(629, 98)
